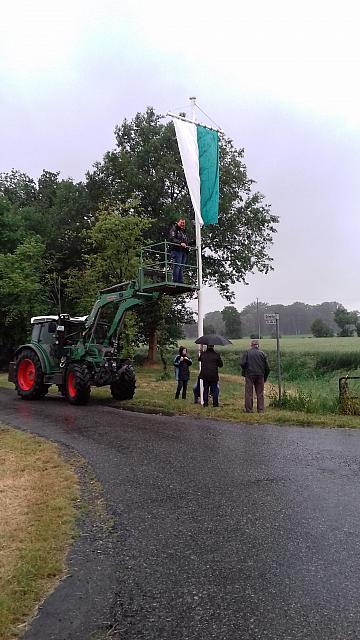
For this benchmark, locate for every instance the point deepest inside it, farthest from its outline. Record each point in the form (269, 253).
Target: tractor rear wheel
(77, 383)
(123, 387)
(30, 376)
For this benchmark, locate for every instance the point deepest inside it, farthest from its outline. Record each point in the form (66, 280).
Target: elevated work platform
(157, 268)
(169, 288)
(156, 273)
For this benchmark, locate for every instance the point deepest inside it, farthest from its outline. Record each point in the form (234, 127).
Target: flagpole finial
(193, 105)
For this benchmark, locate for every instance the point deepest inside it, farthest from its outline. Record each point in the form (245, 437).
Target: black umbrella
(213, 338)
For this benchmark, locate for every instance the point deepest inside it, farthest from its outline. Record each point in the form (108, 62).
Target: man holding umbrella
(210, 363)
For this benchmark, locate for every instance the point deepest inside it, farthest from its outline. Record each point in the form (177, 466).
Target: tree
(347, 321)
(12, 233)
(232, 320)
(295, 318)
(115, 239)
(190, 330)
(57, 211)
(60, 215)
(145, 162)
(215, 320)
(22, 294)
(320, 329)
(209, 328)
(249, 318)
(161, 324)
(18, 188)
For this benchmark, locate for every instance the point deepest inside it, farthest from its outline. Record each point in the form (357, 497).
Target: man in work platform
(255, 368)
(178, 249)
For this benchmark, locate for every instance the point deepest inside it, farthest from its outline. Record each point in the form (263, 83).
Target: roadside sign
(273, 318)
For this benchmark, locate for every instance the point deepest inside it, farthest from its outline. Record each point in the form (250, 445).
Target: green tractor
(76, 353)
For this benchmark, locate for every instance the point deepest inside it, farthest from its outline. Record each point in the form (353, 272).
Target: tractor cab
(45, 328)
(53, 333)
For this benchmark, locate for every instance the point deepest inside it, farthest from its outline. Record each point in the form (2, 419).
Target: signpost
(273, 318)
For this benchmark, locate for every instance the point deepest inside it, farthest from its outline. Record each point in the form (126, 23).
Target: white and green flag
(199, 150)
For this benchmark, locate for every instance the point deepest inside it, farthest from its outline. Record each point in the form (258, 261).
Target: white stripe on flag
(187, 140)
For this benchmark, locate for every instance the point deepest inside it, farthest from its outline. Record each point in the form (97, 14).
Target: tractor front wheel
(30, 376)
(77, 384)
(123, 387)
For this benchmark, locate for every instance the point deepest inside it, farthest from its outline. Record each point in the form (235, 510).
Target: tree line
(322, 320)
(61, 241)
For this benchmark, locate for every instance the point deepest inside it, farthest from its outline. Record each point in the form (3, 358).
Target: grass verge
(155, 394)
(37, 505)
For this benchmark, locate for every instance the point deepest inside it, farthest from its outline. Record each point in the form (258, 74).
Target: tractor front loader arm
(125, 306)
(126, 295)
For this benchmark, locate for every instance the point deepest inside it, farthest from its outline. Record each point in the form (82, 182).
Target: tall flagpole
(198, 252)
(199, 266)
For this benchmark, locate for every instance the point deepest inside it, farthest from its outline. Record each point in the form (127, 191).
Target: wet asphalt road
(220, 530)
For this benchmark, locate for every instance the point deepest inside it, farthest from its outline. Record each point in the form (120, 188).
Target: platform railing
(158, 264)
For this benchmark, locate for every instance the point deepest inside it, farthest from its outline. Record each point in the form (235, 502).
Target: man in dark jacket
(210, 363)
(178, 249)
(255, 368)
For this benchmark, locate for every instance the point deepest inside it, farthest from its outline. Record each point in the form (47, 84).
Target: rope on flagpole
(211, 120)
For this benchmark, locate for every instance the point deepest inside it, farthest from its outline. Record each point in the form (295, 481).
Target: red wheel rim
(26, 374)
(71, 385)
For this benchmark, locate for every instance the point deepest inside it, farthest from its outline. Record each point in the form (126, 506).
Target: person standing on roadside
(255, 368)
(178, 249)
(182, 362)
(209, 374)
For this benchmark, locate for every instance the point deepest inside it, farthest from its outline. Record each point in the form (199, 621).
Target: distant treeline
(295, 319)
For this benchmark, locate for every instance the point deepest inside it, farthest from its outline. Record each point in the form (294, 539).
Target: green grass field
(301, 344)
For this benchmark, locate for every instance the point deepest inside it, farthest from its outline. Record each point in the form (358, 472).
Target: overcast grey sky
(281, 78)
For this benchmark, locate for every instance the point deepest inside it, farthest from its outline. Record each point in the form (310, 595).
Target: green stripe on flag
(208, 145)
